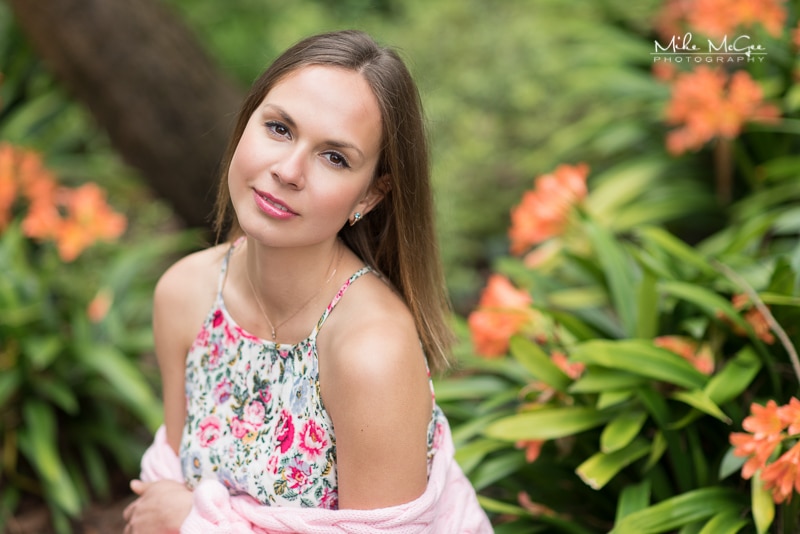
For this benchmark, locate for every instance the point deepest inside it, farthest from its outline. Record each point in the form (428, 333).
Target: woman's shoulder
(187, 289)
(196, 270)
(373, 333)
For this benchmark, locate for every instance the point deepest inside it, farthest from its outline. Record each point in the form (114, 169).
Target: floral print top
(255, 419)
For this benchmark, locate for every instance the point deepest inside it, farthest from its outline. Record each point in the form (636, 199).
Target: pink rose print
(209, 430)
(254, 414)
(272, 464)
(298, 475)
(240, 428)
(243, 333)
(284, 431)
(217, 320)
(329, 499)
(230, 338)
(202, 339)
(213, 357)
(312, 439)
(265, 395)
(222, 391)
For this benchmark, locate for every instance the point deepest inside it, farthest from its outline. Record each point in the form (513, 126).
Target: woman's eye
(337, 159)
(277, 128)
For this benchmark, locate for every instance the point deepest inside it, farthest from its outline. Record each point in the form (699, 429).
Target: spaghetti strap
(223, 271)
(339, 294)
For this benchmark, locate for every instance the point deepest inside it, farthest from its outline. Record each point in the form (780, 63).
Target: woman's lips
(272, 206)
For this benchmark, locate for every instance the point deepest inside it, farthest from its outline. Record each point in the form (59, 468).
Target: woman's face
(306, 159)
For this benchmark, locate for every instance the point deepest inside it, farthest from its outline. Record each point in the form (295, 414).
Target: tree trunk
(167, 108)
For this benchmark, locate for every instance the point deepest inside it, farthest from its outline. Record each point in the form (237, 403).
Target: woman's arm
(375, 387)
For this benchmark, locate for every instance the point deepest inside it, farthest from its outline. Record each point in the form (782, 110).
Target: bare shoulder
(372, 334)
(185, 292)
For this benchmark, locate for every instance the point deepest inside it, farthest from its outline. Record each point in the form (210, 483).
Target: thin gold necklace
(274, 328)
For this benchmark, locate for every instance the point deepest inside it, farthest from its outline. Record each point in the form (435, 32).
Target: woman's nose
(289, 167)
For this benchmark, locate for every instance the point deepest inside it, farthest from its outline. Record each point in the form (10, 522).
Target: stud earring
(356, 218)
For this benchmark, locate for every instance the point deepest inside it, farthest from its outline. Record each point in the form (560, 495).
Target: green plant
(617, 359)
(77, 401)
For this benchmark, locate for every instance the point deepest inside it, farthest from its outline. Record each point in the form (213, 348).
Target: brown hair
(398, 236)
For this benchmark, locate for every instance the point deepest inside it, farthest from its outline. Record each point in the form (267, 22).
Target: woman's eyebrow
(331, 142)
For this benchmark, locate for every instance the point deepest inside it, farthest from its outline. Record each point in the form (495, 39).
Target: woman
(308, 384)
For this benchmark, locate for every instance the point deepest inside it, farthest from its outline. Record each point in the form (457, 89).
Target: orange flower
(502, 311)
(783, 475)
(99, 306)
(543, 212)
(700, 356)
(8, 184)
(706, 104)
(790, 416)
(533, 448)
(753, 316)
(764, 433)
(572, 369)
(89, 219)
(718, 18)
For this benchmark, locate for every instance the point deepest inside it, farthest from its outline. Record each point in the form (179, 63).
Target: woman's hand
(161, 507)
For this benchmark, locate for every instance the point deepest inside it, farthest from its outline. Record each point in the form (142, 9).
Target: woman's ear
(377, 192)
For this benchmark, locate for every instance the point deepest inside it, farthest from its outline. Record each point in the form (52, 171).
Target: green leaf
(58, 392)
(735, 377)
(470, 455)
(127, 381)
(680, 510)
(606, 399)
(547, 423)
(647, 307)
(619, 274)
(642, 358)
(724, 523)
(730, 464)
(9, 383)
(621, 431)
(471, 387)
(700, 400)
(682, 252)
(706, 300)
(539, 364)
(762, 503)
(657, 449)
(600, 379)
(42, 351)
(633, 498)
(602, 467)
(494, 469)
(38, 442)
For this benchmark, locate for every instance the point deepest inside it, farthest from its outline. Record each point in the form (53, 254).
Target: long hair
(398, 237)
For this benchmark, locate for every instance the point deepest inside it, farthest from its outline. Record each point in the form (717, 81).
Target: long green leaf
(724, 523)
(678, 511)
(762, 503)
(647, 306)
(682, 252)
(621, 431)
(547, 423)
(700, 400)
(642, 358)
(619, 275)
(633, 498)
(734, 378)
(39, 444)
(471, 454)
(127, 381)
(534, 359)
(471, 387)
(600, 379)
(601, 467)
(706, 300)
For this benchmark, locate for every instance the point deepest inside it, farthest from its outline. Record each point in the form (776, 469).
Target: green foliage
(644, 292)
(78, 403)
